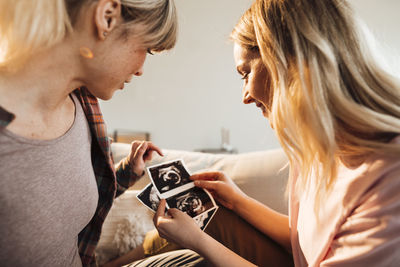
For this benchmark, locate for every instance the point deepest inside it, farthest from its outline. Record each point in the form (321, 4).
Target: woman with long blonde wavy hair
(336, 113)
(58, 179)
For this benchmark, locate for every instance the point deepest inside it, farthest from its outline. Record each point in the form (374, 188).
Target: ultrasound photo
(171, 181)
(169, 176)
(149, 197)
(194, 201)
(203, 219)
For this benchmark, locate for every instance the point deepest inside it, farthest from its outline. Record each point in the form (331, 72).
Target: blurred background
(190, 98)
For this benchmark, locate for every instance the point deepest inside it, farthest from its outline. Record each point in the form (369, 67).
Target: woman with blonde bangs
(58, 180)
(337, 116)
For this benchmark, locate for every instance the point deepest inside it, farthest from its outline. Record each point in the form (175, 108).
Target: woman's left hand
(178, 227)
(141, 151)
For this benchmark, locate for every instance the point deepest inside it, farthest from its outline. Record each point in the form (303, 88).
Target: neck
(45, 81)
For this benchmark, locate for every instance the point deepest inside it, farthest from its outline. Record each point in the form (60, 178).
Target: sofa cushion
(124, 227)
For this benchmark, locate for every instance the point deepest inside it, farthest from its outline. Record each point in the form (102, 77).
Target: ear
(107, 15)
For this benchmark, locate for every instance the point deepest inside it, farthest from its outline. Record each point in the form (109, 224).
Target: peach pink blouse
(359, 221)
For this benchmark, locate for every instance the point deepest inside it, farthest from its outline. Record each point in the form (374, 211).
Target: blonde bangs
(243, 33)
(155, 22)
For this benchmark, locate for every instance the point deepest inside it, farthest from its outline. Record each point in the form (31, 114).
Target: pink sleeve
(370, 236)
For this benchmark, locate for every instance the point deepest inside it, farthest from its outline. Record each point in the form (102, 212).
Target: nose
(247, 99)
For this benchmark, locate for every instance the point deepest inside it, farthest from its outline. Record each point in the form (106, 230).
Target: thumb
(174, 212)
(211, 185)
(160, 211)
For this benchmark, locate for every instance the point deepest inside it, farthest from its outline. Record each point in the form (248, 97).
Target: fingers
(208, 176)
(140, 149)
(155, 148)
(134, 146)
(174, 213)
(209, 185)
(160, 211)
(143, 149)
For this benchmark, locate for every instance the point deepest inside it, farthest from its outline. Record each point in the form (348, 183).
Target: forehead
(243, 55)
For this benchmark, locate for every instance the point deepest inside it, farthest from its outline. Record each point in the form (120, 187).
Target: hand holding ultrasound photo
(171, 181)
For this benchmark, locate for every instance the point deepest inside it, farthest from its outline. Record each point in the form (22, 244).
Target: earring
(104, 34)
(86, 52)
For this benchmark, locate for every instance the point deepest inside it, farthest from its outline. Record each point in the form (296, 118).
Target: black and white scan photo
(169, 176)
(149, 197)
(171, 181)
(203, 219)
(194, 201)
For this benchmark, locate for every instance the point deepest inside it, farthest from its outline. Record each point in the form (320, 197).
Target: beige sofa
(262, 175)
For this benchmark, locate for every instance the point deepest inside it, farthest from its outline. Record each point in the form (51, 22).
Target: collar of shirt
(5, 118)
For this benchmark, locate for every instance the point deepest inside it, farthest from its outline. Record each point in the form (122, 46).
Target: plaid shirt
(111, 182)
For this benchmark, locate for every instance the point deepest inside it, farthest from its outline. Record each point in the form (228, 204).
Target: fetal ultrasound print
(149, 197)
(169, 176)
(194, 201)
(203, 219)
(171, 181)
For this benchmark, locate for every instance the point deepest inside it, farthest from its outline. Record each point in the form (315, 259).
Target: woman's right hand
(222, 188)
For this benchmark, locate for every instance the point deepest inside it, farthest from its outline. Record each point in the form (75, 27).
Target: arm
(218, 254)
(273, 224)
(179, 228)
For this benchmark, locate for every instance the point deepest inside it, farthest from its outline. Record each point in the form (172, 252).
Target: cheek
(140, 59)
(263, 89)
(258, 89)
(136, 59)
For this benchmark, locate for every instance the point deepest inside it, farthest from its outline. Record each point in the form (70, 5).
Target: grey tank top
(48, 194)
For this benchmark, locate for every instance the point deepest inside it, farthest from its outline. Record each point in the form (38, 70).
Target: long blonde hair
(29, 26)
(329, 99)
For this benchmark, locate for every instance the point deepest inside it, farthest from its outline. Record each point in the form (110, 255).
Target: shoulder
(369, 234)
(383, 193)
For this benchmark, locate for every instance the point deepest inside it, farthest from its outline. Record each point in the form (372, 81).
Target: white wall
(383, 19)
(188, 94)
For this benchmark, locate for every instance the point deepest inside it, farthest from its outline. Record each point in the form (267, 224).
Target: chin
(103, 95)
(105, 98)
(270, 124)
(265, 113)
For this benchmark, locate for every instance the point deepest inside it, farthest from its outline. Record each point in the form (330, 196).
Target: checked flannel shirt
(111, 182)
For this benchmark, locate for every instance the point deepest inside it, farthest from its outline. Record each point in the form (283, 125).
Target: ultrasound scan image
(194, 201)
(149, 197)
(169, 176)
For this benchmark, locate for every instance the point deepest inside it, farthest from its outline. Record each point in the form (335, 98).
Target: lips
(261, 106)
(128, 80)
